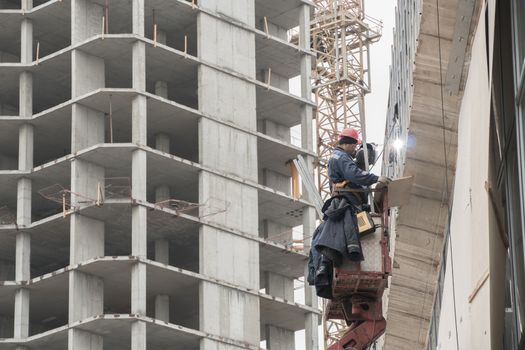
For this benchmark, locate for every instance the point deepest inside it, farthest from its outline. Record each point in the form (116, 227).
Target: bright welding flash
(398, 144)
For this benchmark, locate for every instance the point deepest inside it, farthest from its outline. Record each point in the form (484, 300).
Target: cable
(446, 175)
(385, 143)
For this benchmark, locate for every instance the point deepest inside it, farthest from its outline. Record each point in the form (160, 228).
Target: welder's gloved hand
(383, 181)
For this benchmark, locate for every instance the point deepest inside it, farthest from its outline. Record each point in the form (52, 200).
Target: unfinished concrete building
(145, 186)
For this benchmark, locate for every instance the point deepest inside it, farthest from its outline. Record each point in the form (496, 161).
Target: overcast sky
(376, 101)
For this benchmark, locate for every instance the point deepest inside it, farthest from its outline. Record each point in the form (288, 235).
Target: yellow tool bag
(365, 223)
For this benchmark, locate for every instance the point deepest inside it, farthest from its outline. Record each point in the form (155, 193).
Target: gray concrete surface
(200, 112)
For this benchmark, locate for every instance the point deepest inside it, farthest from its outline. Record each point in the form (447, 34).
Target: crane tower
(341, 38)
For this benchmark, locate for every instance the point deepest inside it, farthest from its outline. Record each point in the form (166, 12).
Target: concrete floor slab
(120, 16)
(9, 138)
(49, 21)
(171, 16)
(162, 223)
(51, 81)
(10, 22)
(284, 14)
(8, 189)
(55, 339)
(278, 106)
(9, 88)
(283, 58)
(48, 301)
(274, 154)
(164, 63)
(116, 330)
(286, 263)
(47, 292)
(163, 116)
(280, 208)
(177, 19)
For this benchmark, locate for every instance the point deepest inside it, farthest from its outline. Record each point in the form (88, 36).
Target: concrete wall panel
(87, 127)
(240, 10)
(88, 73)
(229, 257)
(87, 20)
(227, 149)
(229, 313)
(470, 235)
(226, 45)
(227, 98)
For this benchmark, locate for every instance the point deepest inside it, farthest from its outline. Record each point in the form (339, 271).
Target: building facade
(458, 276)
(145, 187)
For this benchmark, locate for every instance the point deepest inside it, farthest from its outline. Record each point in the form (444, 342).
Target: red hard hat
(350, 132)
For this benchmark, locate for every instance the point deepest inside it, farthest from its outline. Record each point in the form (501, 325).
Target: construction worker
(344, 172)
(339, 236)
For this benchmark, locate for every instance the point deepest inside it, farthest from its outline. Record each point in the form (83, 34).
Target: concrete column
(274, 29)
(162, 193)
(277, 285)
(26, 48)
(25, 94)
(27, 5)
(275, 180)
(80, 339)
(275, 80)
(309, 214)
(279, 338)
(162, 252)
(162, 246)
(273, 129)
(227, 312)
(162, 302)
(23, 239)
(87, 20)
(86, 292)
(162, 308)
(21, 328)
(22, 273)
(275, 231)
(267, 177)
(162, 143)
(24, 187)
(23, 216)
(161, 87)
(161, 37)
(25, 147)
(139, 181)
(87, 74)
(281, 287)
(23, 254)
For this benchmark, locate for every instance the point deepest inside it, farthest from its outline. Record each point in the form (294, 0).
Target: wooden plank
(478, 286)
(398, 192)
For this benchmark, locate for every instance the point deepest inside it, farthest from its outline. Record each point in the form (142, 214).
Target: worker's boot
(354, 252)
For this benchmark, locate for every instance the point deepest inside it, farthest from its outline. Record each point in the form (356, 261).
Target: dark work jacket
(320, 269)
(342, 167)
(339, 237)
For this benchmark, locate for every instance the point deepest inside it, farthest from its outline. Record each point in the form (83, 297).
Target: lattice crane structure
(341, 38)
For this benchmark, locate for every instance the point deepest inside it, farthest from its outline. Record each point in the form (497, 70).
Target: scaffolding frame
(341, 38)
